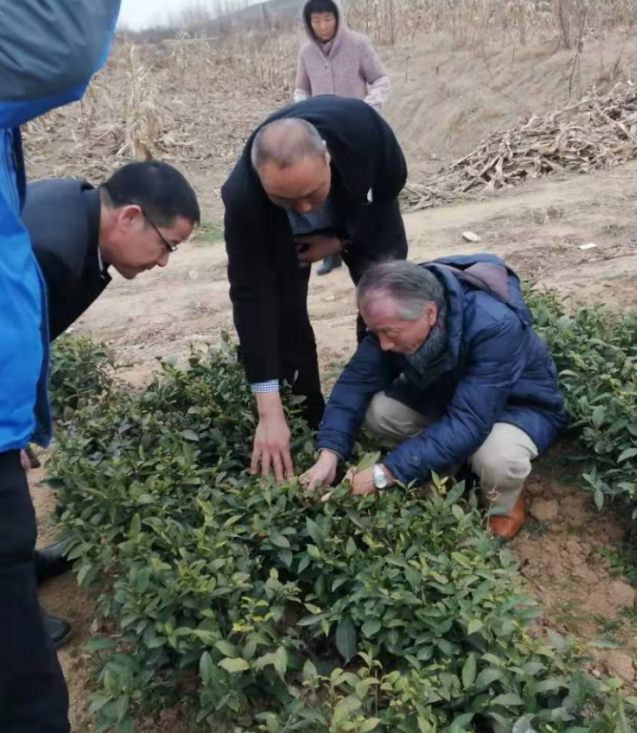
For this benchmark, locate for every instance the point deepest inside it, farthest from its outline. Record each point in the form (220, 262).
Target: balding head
(285, 142)
(292, 163)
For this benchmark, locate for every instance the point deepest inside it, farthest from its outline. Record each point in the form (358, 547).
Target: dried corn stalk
(600, 131)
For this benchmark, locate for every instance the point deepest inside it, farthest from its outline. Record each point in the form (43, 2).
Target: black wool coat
(63, 219)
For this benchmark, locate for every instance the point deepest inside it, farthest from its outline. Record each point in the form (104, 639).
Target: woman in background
(337, 61)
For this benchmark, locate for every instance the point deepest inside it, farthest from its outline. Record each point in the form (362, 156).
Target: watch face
(380, 478)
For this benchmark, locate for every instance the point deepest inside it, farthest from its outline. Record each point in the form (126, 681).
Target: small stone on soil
(622, 594)
(544, 511)
(470, 236)
(620, 664)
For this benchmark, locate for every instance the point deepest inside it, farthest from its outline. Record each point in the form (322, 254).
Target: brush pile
(599, 131)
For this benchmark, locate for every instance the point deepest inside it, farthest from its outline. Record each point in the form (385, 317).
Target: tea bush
(596, 354)
(262, 611)
(80, 373)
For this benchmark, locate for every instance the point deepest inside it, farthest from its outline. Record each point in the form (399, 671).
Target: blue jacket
(501, 372)
(48, 51)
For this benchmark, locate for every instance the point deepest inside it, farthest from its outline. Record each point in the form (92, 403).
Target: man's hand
(363, 481)
(272, 439)
(25, 461)
(315, 247)
(322, 473)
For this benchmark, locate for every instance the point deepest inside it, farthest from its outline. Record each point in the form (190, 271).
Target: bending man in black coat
(317, 178)
(132, 223)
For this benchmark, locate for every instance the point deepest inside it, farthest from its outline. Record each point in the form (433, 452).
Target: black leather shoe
(58, 629)
(50, 562)
(329, 263)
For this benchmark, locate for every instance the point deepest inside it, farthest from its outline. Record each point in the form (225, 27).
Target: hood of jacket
(342, 28)
(484, 272)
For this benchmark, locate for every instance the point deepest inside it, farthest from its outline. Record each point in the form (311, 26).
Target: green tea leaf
(350, 547)
(371, 627)
(206, 668)
(369, 725)
(281, 661)
(626, 454)
(469, 671)
(227, 649)
(508, 700)
(234, 665)
(344, 710)
(315, 532)
(474, 626)
(279, 540)
(189, 435)
(346, 638)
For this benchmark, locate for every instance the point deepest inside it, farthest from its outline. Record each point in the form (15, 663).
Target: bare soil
(445, 99)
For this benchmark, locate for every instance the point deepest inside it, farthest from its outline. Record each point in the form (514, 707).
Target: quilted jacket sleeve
(496, 360)
(369, 371)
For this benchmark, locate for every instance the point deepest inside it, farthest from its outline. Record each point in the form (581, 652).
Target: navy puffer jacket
(502, 372)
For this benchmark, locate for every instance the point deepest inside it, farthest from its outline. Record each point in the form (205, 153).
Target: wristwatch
(380, 477)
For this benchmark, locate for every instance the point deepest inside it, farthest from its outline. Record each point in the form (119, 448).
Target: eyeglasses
(170, 247)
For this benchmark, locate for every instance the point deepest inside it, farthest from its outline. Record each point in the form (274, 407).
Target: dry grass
(471, 22)
(184, 100)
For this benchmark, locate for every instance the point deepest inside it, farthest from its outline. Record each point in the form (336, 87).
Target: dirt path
(538, 230)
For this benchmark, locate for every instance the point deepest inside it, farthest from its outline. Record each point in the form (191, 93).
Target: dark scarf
(433, 358)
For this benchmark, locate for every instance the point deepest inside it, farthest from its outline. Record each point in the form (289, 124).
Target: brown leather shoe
(506, 528)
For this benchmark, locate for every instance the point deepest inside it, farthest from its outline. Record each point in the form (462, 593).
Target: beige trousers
(502, 462)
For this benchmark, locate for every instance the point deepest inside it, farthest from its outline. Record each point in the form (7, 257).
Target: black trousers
(299, 357)
(33, 695)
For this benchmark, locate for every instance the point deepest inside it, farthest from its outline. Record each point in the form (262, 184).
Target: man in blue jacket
(48, 51)
(452, 372)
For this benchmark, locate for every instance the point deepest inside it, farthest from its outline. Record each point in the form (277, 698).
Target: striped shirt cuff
(271, 385)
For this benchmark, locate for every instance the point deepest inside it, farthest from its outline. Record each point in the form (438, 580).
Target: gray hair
(284, 142)
(412, 287)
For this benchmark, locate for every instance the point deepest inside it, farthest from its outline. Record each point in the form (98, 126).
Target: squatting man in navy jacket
(451, 372)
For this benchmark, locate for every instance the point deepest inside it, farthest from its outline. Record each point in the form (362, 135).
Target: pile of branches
(596, 132)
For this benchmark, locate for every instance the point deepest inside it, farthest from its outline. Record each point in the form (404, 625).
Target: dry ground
(445, 99)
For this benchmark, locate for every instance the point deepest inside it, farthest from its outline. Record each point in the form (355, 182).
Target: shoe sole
(62, 641)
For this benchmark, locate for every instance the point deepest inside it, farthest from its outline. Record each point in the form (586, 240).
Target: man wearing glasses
(132, 223)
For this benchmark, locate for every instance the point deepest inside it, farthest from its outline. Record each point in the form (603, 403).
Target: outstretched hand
(322, 474)
(272, 449)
